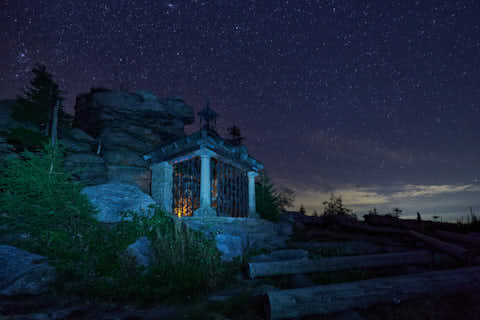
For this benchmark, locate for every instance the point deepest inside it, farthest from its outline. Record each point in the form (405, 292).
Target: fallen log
(276, 268)
(321, 300)
(458, 237)
(452, 250)
(357, 226)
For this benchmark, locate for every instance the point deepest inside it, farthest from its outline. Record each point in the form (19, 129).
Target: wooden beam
(455, 251)
(320, 300)
(276, 268)
(458, 237)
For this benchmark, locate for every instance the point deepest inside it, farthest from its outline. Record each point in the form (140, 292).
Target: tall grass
(43, 211)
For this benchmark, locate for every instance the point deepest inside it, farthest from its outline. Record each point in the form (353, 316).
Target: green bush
(45, 213)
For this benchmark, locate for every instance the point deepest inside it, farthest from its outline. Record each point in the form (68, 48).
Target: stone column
(252, 209)
(205, 191)
(162, 185)
(205, 187)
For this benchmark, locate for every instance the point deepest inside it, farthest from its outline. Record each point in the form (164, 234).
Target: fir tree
(236, 136)
(302, 210)
(270, 201)
(38, 102)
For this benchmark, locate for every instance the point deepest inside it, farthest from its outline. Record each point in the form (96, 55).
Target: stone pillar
(162, 185)
(205, 185)
(205, 188)
(252, 209)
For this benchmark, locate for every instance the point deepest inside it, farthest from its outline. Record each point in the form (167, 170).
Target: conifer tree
(38, 101)
(269, 200)
(236, 136)
(302, 210)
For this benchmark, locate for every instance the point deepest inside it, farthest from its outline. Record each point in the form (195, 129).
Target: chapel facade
(204, 175)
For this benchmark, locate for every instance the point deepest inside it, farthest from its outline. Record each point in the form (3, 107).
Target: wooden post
(276, 268)
(321, 300)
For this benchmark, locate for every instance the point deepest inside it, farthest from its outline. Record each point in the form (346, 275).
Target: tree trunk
(276, 268)
(455, 251)
(55, 123)
(318, 300)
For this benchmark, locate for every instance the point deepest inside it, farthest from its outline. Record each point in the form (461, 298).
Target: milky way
(376, 100)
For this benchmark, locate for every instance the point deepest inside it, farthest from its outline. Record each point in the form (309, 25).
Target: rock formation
(126, 126)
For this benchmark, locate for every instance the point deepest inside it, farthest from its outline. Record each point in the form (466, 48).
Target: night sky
(376, 101)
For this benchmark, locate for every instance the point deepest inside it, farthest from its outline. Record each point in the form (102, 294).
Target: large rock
(124, 158)
(94, 169)
(116, 138)
(77, 141)
(113, 198)
(23, 273)
(79, 135)
(98, 110)
(138, 176)
(238, 234)
(75, 146)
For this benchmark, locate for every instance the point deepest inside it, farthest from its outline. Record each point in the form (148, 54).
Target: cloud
(410, 190)
(407, 196)
(351, 197)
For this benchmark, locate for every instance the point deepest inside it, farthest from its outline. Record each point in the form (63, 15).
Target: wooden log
(321, 300)
(357, 226)
(455, 251)
(458, 237)
(276, 268)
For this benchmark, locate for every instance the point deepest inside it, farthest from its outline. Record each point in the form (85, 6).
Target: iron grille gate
(186, 187)
(229, 190)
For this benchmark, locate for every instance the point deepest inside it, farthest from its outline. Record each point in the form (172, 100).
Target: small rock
(141, 251)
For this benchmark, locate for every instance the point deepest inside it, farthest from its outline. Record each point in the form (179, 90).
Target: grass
(43, 211)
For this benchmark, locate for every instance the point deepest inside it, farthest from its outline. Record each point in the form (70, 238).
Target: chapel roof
(204, 139)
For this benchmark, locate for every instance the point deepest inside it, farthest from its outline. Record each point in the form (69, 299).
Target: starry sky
(376, 101)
